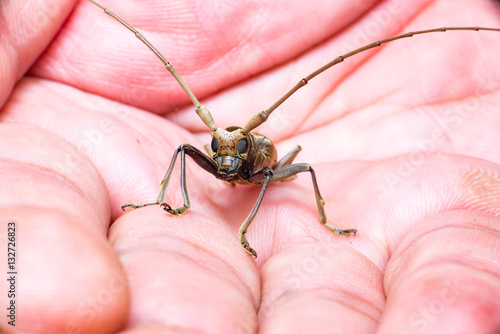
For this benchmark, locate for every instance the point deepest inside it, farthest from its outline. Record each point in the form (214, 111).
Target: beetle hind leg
(288, 158)
(286, 161)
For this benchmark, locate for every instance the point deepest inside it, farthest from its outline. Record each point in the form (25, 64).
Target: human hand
(403, 140)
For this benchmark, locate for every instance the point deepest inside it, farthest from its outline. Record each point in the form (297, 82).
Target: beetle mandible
(238, 155)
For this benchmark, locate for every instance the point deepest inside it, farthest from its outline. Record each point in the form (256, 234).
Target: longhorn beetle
(241, 156)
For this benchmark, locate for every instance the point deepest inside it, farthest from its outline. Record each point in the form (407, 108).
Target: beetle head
(230, 149)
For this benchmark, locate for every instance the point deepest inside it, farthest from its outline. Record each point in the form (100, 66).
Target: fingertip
(309, 287)
(40, 169)
(68, 277)
(445, 276)
(188, 271)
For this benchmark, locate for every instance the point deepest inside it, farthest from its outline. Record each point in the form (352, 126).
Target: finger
(445, 277)
(68, 278)
(320, 287)
(27, 28)
(412, 219)
(186, 272)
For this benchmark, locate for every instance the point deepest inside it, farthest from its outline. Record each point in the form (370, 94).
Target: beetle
(238, 155)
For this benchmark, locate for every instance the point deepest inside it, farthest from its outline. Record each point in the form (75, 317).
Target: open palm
(404, 141)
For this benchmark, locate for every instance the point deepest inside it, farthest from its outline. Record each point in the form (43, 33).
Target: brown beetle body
(237, 155)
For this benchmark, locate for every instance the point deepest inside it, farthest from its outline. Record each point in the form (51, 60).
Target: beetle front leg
(164, 184)
(201, 159)
(243, 229)
(287, 171)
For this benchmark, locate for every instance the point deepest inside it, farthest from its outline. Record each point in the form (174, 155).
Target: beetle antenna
(200, 109)
(262, 116)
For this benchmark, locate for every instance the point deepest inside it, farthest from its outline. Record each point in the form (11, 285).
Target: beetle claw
(246, 245)
(339, 231)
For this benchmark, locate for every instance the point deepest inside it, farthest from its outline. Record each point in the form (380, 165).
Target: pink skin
(404, 140)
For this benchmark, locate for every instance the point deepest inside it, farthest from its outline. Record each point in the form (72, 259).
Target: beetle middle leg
(288, 158)
(201, 159)
(287, 171)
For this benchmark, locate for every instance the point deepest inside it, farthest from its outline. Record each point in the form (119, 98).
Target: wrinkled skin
(404, 140)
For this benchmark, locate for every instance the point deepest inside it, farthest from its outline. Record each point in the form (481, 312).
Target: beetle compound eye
(214, 145)
(242, 146)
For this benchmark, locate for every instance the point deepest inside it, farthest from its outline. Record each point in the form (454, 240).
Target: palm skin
(403, 140)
